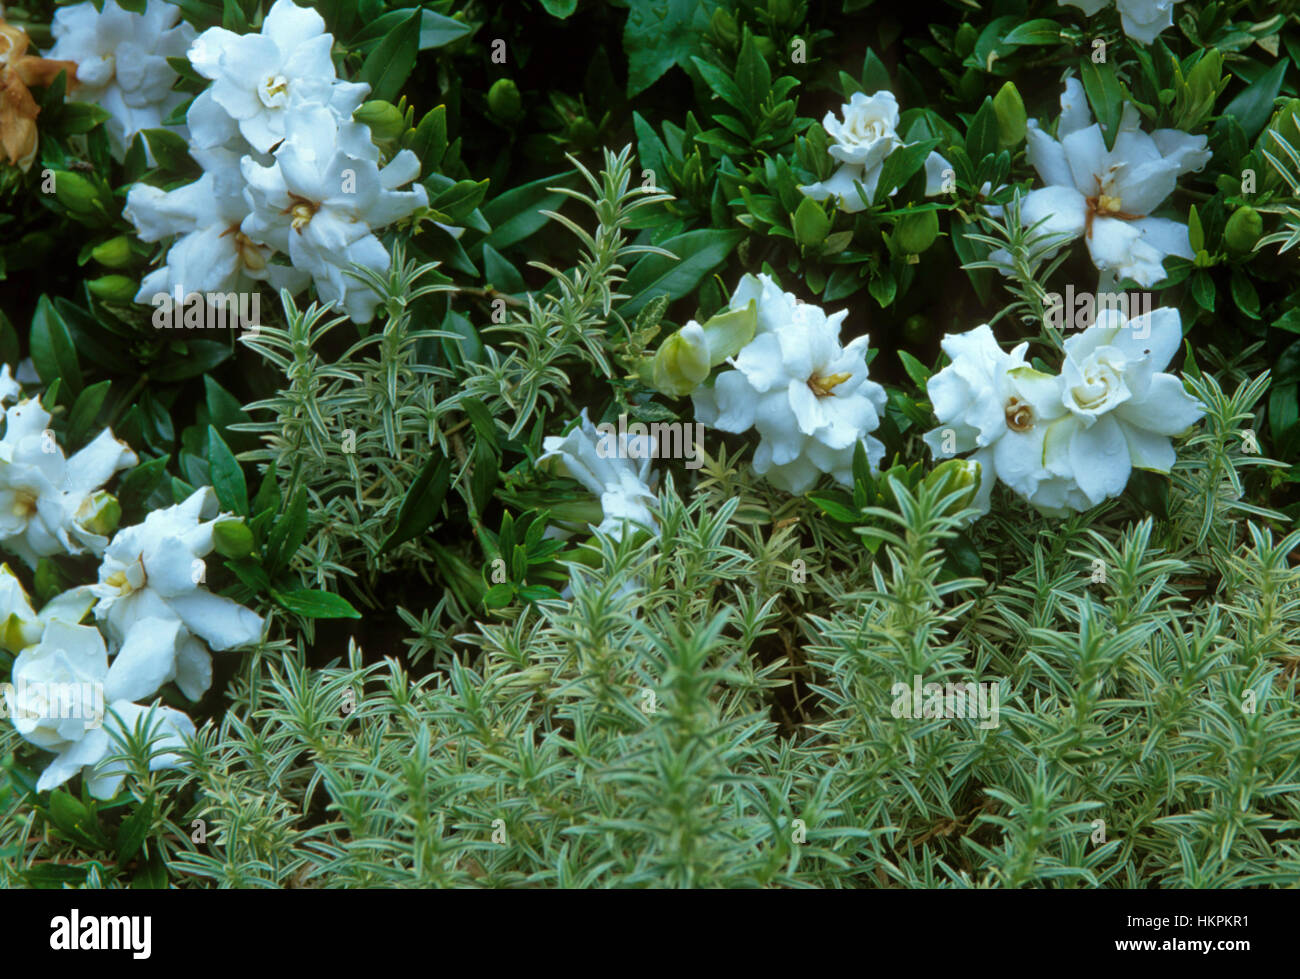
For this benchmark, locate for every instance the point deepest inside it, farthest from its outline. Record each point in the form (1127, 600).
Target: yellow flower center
(1108, 204)
(823, 386)
(24, 503)
(302, 211)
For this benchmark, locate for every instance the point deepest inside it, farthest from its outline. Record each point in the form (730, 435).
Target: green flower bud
(504, 100)
(115, 253)
(964, 42)
(916, 232)
(113, 288)
(1243, 230)
(954, 475)
(384, 119)
(77, 193)
(1012, 119)
(231, 538)
(682, 361)
(99, 513)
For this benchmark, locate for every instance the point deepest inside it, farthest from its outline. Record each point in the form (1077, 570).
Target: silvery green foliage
(663, 735)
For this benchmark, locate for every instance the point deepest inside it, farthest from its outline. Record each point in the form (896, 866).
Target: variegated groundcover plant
(787, 444)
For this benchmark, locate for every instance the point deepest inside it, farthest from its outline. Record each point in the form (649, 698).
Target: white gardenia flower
(22, 626)
(1122, 409)
(261, 80)
(809, 397)
(48, 504)
(861, 143)
(615, 467)
(69, 668)
(995, 404)
(1107, 196)
(122, 62)
(1143, 20)
(154, 570)
(211, 254)
(322, 198)
(775, 307)
(9, 387)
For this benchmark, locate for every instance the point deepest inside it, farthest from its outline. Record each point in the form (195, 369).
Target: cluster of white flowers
(808, 396)
(149, 600)
(861, 144)
(286, 171)
(121, 60)
(1065, 442)
(1143, 20)
(1106, 196)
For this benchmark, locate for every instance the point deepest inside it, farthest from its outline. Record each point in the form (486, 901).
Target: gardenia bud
(1010, 110)
(1243, 230)
(916, 232)
(75, 192)
(232, 538)
(384, 119)
(115, 253)
(113, 288)
(100, 512)
(954, 475)
(504, 100)
(682, 362)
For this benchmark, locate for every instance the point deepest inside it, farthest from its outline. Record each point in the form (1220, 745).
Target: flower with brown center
(1019, 415)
